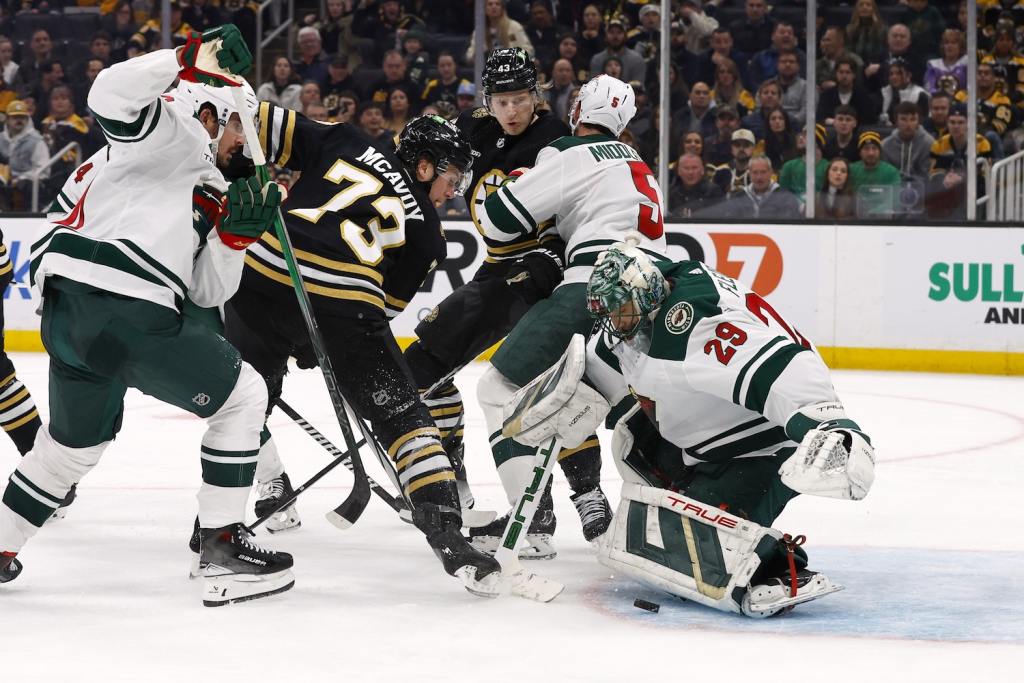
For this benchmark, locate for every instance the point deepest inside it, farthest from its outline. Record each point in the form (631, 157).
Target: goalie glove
(831, 462)
(215, 57)
(248, 211)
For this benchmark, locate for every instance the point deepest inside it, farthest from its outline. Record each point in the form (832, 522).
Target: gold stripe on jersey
(264, 114)
(331, 264)
(444, 475)
(321, 290)
(277, 125)
(289, 130)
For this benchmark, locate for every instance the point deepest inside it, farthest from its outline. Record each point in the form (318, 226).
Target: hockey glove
(833, 463)
(539, 271)
(248, 211)
(215, 57)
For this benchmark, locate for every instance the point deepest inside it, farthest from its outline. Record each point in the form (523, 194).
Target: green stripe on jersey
(746, 368)
(519, 207)
(764, 377)
(25, 506)
(502, 217)
(569, 141)
(157, 266)
(742, 427)
(27, 484)
(131, 131)
(744, 446)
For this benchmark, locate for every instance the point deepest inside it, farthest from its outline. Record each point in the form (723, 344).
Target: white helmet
(604, 101)
(222, 100)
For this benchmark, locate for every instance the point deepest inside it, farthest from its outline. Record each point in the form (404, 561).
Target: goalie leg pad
(685, 547)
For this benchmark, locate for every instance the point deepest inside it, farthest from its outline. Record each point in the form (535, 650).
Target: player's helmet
(221, 99)
(508, 69)
(441, 142)
(622, 274)
(604, 101)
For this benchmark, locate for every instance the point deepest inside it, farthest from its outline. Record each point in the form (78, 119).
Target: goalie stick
(352, 507)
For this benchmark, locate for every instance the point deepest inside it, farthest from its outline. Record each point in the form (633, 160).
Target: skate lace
(791, 544)
(245, 540)
(273, 488)
(590, 506)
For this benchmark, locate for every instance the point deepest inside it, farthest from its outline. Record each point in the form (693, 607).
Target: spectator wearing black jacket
(690, 192)
(842, 140)
(722, 47)
(753, 31)
(847, 91)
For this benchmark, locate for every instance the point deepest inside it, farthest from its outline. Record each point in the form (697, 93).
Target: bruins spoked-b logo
(679, 318)
(489, 182)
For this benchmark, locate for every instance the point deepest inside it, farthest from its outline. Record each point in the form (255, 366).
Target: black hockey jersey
(495, 155)
(364, 233)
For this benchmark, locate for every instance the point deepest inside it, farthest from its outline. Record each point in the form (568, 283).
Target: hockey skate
(235, 569)
(595, 513)
(62, 511)
(9, 567)
(538, 538)
(272, 492)
(478, 571)
(775, 596)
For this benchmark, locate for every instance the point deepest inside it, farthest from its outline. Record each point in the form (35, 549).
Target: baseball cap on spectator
(743, 135)
(958, 109)
(647, 9)
(468, 89)
(869, 137)
(726, 110)
(17, 108)
(616, 21)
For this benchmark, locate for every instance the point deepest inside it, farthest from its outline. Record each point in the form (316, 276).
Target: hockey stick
(341, 459)
(352, 507)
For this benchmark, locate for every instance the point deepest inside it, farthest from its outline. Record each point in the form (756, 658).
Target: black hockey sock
(582, 465)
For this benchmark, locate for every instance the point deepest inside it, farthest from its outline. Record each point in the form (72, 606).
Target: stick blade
(534, 587)
(352, 508)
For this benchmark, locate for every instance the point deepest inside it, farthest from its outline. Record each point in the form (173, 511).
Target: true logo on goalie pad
(679, 318)
(201, 399)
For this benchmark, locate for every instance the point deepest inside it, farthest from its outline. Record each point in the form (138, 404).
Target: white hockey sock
(269, 465)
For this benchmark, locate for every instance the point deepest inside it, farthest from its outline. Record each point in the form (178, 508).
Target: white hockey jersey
(596, 188)
(129, 222)
(720, 374)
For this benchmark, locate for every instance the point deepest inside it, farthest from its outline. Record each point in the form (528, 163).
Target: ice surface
(932, 561)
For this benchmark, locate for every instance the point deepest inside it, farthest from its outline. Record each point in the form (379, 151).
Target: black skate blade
(247, 598)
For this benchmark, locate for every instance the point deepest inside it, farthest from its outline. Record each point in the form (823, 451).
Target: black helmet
(437, 139)
(508, 69)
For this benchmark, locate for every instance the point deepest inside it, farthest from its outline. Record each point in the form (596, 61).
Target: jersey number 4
(650, 222)
(362, 184)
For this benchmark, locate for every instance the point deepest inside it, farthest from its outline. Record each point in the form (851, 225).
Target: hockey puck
(649, 606)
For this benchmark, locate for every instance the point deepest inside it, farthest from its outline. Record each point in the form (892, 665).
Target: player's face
(445, 186)
(231, 141)
(625, 320)
(514, 110)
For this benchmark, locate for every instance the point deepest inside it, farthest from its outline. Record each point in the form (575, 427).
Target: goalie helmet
(624, 274)
(604, 101)
(508, 69)
(440, 142)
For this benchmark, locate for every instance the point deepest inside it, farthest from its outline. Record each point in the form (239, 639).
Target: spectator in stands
(645, 39)
(947, 185)
(693, 143)
(1004, 53)
(417, 58)
(866, 33)
(8, 67)
(345, 108)
(383, 27)
(842, 140)
(690, 192)
(753, 31)
(612, 67)
(900, 91)
(562, 82)
(201, 15)
(590, 39)
(398, 110)
(63, 126)
(697, 25)
(936, 124)
(995, 110)
(908, 148)
(81, 88)
(502, 31)
(779, 143)
(543, 33)
(150, 35)
(310, 94)
(242, 13)
(634, 68)
(734, 176)
(764, 64)
(465, 97)
(568, 48)
(926, 25)
(339, 81)
(316, 112)
(718, 147)
(794, 88)
(763, 197)
(41, 48)
(952, 61)
(51, 74)
(23, 148)
(699, 114)
(336, 34)
(371, 121)
(445, 87)
(899, 47)
(793, 175)
(847, 92)
(729, 89)
(283, 88)
(722, 47)
(872, 172)
(312, 62)
(394, 76)
(100, 47)
(120, 25)
(769, 96)
(833, 48)
(837, 199)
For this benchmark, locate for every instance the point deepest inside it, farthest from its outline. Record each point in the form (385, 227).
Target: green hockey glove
(215, 57)
(248, 211)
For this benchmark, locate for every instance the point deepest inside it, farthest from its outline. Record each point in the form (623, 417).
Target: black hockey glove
(248, 211)
(540, 271)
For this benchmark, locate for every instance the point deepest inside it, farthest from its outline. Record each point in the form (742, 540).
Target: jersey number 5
(650, 222)
(362, 184)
